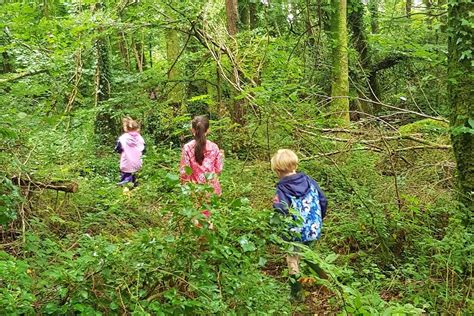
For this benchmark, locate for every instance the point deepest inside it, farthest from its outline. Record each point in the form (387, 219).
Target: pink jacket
(132, 145)
(212, 164)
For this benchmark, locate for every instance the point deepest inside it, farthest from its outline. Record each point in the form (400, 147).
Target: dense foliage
(396, 239)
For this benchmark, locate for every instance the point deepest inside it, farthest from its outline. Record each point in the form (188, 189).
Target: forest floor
(63, 233)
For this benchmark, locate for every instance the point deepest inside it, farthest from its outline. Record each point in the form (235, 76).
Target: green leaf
(331, 258)
(188, 170)
(171, 179)
(247, 245)
(236, 203)
(471, 122)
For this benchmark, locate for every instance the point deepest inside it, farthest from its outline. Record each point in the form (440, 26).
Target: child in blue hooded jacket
(301, 193)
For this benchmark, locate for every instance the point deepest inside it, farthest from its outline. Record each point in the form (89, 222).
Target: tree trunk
(253, 15)
(102, 70)
(177, 93)
(231, 13)
(408, 5)
(461, 94)
(360, 43)
(237, 111)
(105, 125)
(373, 7)
(6, 65)
(139, 51)
(244, 15)
(5, 39)
(340, 74)
(429, 12)
(123, 49)
(309, 27)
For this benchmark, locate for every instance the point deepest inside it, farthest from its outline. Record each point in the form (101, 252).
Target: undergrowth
(105, 251)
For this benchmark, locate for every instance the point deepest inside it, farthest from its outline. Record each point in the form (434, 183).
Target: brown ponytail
(129, 125)
(200, 125)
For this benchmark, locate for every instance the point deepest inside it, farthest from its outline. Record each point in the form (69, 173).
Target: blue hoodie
(296, 185)
(304, 196)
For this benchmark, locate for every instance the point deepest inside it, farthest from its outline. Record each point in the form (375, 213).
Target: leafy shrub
(9, 199)
(16, 296)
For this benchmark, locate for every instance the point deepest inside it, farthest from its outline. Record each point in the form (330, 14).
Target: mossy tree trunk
(105, 125)
(106, 128)
(177, 92)
(461, 95)
(340, 74)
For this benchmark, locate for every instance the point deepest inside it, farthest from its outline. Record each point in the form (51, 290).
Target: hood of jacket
(132, 139)
(296, 185)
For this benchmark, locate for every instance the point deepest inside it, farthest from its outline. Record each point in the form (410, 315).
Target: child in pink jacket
(130, 146)
(202, 156)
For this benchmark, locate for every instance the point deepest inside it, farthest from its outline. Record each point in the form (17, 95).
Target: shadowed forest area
(374, 96)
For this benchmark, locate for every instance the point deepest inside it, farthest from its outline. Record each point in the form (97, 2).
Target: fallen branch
(340, 130)
(23, 75)
(445, 147)
(385, 138)
(60, 185)
(332, 153)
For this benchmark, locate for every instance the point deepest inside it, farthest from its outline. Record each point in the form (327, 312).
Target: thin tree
(238, 111)
(340, 74)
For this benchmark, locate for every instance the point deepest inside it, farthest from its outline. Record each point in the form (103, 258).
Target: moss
(174, 71)
(340, 76)
(424, 126)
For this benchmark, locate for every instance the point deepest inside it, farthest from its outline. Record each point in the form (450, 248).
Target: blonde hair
(284, 161)
(130, 125)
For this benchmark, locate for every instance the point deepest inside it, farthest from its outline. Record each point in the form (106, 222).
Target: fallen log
(60, 185)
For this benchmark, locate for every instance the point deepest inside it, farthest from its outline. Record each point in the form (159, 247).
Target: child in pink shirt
(202, 156)
(130, 146)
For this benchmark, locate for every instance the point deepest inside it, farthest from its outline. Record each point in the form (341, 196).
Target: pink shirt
(212, 164)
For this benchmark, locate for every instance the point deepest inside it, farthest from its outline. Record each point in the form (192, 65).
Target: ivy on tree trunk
(461, 95)
(105, 125)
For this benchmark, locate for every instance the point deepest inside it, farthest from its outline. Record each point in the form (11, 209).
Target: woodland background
(375, 96)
